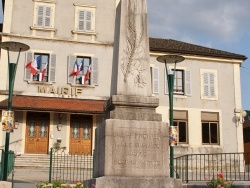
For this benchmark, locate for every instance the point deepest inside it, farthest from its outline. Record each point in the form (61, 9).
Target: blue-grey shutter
(47, 17)
(188, 82)
(212, 84)
(52, 68)
(165, 81)
(40, 16)
(71, 62)
(155, 80)
(81, 20)
(88, 21)
(29, 58)
(206, 84)
(94, 71)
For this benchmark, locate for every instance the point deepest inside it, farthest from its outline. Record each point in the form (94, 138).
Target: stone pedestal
(131, 148)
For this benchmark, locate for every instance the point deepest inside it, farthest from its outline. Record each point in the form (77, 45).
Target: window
(182, 82)
(210, 128)
(209, 84)
(85, 18)
(179, 82)
(246, 135)
(180, 120)
(45, 69)
(82, 70)
(44, 15)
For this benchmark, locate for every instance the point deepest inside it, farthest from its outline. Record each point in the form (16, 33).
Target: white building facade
(78, 36)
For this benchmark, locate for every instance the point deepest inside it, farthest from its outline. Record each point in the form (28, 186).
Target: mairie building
(63, 101)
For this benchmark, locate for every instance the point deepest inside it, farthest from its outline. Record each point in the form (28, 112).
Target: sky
(219, 24)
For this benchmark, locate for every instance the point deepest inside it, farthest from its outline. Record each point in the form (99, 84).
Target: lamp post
(13, 47)
(173, 133)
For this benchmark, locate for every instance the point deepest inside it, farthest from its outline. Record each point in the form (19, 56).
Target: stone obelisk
(131, 146)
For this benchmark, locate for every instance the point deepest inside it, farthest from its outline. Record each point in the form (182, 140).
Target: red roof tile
(55, 104)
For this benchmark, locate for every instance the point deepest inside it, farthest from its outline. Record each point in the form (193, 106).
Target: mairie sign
(74, 91)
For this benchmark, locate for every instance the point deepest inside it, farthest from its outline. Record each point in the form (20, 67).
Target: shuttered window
(85, 18)
(182, 82)
(208, 87)
(44, 16)
(43, 68)
(82, 70)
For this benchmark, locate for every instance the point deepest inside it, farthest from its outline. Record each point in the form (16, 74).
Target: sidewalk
(28, 177)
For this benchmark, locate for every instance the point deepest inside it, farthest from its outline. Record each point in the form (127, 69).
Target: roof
(174, 46)
(55, 104)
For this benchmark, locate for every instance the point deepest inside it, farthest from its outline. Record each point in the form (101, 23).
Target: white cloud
(225, 20)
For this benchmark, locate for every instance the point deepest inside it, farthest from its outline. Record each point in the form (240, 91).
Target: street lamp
(13, 47)
(173, 133)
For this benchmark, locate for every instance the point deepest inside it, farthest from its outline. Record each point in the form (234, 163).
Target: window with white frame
(44, 14)
(209, 89)
(85, 18)
(182, 82)
(181, 121)
(210, 128)
(82, 70)
(40, 67)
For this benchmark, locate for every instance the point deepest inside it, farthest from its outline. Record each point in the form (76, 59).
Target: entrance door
(80, 135)
(37, 131)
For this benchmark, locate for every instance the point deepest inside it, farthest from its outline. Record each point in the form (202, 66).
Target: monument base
(133, 182)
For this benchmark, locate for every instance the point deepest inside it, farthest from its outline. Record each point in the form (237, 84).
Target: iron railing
(201, 167)
(11, 161)
(70, 168)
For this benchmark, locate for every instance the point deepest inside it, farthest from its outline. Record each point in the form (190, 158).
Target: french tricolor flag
(34, 65)
(76, 69)
(42, 74)
(87, 75)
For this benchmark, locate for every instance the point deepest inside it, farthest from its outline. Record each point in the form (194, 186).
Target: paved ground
(28, 178)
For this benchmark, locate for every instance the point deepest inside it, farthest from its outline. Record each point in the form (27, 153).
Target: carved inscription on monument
(133, 61)
(137, 148)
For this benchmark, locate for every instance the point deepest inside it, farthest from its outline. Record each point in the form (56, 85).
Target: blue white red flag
(41, 76)
(87, 75)
(34, 65)
(76, 69)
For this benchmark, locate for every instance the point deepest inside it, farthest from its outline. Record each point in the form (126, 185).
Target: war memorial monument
(131, 145)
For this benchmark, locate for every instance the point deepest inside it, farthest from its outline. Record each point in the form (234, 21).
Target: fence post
(1, 165)
(50, 164)
(187, 168)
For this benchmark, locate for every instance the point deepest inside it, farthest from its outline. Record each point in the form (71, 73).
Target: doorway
(37, 133)
(80, 134)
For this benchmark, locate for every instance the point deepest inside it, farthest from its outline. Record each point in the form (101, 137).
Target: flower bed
(59, 185)
(219, 182)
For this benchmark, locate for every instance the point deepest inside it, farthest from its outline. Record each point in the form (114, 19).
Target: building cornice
(198, 57)
(55, 39)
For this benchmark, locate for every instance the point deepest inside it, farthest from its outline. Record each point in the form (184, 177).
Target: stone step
(40, 161)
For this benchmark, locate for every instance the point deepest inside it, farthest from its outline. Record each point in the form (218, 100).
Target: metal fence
(201, 167)
(11, 161)
(70, 168)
